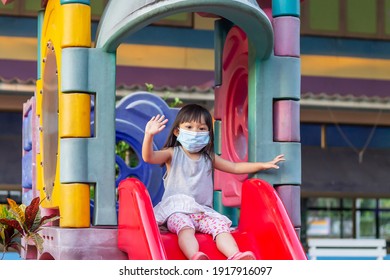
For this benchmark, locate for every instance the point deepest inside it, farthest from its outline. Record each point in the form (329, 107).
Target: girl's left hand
(273, 163)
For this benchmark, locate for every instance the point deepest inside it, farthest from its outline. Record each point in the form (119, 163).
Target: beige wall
(205, 23)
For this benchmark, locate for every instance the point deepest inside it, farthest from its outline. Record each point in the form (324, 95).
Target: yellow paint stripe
(345, 67)
(166, 57)
(18, 48)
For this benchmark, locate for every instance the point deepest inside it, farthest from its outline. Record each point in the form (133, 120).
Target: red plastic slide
(264, 226)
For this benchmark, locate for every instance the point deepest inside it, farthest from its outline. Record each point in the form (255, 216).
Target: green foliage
(149, 87)
(121, 149)
(175, 103)
(17, 221)
(124, 151)
(92, 191)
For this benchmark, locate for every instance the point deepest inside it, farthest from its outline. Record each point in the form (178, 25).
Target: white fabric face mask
(193, 141)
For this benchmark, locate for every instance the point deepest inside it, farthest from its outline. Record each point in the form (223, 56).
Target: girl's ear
(176, 131)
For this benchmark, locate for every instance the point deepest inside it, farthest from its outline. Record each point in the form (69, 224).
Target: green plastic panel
(75, 70)
(40, 19)
(92, 160)
(221, 29)
(231, 212)
(261, 147)
(287, 77)
(218, 137)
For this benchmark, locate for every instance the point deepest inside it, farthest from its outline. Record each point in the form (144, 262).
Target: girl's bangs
(196, 116)
(193, 116)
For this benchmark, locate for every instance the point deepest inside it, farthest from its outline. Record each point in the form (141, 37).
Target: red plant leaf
(12, 223)
(15, 245)
(31, 212)
(11, 237)
(8, 232)
(46, 218)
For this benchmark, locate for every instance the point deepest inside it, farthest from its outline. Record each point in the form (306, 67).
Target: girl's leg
(187, 242)
(183, 226)
(220, 231)
(226, 244)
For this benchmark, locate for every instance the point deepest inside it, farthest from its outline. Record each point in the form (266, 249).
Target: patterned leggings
(200, 222)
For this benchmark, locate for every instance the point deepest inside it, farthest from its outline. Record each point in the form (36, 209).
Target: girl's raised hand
(156, 124)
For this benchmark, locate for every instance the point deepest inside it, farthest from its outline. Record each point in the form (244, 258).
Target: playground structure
(67, 148)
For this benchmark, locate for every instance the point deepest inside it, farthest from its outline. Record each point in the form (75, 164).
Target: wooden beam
(345, 116)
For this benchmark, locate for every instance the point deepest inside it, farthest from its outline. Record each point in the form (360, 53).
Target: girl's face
(193, 126)
(193, 135)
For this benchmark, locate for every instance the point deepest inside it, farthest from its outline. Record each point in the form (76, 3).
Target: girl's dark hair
(188, 113)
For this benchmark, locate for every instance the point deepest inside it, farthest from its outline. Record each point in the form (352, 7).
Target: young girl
(186, 206)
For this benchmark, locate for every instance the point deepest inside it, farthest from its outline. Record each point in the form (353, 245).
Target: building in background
(345, 100)
(345, 131)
